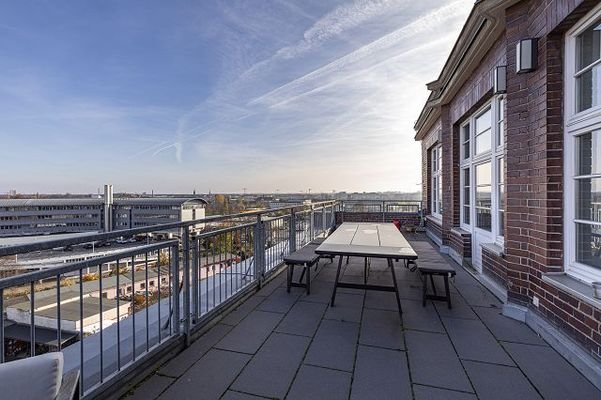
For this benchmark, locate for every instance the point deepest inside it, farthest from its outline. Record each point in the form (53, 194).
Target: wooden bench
(305, 257)
(430, 269)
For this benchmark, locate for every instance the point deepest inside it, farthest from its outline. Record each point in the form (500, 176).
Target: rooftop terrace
(295, 346)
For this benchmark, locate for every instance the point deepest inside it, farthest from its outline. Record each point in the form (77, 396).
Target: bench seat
(429, 269)
(306, 258)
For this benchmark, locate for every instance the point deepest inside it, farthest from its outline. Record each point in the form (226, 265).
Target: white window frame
(436, 181)
(575, 124)
(497, 151)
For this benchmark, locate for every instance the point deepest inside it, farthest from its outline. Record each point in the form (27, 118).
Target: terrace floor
(294, 346)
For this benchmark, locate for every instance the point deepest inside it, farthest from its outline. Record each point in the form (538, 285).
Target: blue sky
(217, 95)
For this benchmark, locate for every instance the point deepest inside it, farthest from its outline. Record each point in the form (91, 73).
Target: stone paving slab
(507, 329)
(496, 382)
(303, 319)
(250, 334)
(334, 345)
(151, 388)
(552, 375)
(321, 292)
(272, 369)
(473, 341)
(184, 360)
(382, 328)
(380, 374)
(242, 310)
(433, 361)
(280, 301)
(477, 295)
(348, 308)
(431, 393)
(232, 395)
(312, 383)
(210, 376)
(272, 285)
(420, 318)
(460, 309)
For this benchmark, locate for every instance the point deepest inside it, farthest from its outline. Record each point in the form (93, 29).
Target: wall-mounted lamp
(500, 79)
(526, 55)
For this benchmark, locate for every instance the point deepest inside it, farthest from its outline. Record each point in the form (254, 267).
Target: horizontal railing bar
(85, 238)
(223, 230)
(80, 265)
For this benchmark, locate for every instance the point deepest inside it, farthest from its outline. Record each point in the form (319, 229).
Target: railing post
(175, 290)
(312, 224)
(323, 220)
(292, 231)
(383, 212)
(195, 257)
(186, 291)
(259, 250)
(340, 210)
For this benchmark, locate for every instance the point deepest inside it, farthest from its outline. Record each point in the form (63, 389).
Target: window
(501, 196)
(582, 150)
(466, 196)
(436, 161)
(465, 138)
(588, 67)
(500, 121)
(483, 196)
(482, 177)
(483, 130)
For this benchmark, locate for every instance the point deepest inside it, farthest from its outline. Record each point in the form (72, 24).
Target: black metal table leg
(425, 290)
(365, 271)
(336, 282)
(446, 288)
(308, 267)
(433, 285)
(289, 277)
(396, 287)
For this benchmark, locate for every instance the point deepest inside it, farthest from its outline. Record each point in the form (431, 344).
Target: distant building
(51, 216)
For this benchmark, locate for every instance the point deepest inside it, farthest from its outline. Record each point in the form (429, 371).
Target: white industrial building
(50, 216)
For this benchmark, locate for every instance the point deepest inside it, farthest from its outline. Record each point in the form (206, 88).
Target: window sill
(573, 286)
(494, 249)
(435, 218)
(460, 231)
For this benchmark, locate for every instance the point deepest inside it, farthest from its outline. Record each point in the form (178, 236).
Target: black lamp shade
(526, 55)
(500, 79)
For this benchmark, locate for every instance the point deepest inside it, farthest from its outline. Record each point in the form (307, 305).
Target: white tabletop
(367, 240)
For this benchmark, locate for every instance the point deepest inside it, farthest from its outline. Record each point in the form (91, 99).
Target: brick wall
(407, 219)
(577, 319)
(430, 140)
(534, 240)
(534, 237)
(494, 266)
(460, 242)
(434, 230)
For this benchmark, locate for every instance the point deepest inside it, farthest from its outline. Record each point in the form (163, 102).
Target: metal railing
(108, 322)
(382, 206)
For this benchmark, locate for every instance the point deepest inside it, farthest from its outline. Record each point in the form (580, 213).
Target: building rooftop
(99, 201)
(70, 310)
(295, 346)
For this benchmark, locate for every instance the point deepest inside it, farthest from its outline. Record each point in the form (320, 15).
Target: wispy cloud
(266, 95)
(240, 99)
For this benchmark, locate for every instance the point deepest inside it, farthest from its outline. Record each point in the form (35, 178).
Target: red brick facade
(533, 235)
(407, 219)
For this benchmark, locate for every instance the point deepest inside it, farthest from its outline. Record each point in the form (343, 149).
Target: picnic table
(367, 240)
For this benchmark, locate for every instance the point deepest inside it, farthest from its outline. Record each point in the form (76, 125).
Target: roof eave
(483, 26)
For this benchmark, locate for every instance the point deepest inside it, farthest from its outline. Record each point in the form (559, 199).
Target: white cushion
(36, 377)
